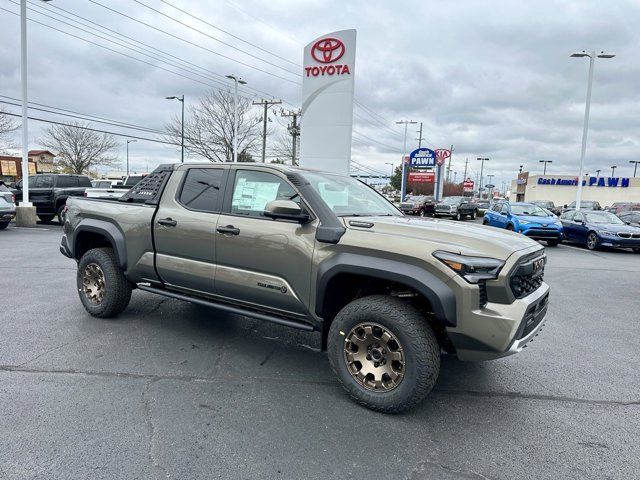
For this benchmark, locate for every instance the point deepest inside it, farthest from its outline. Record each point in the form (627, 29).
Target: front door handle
(229, 229)
(167, 222)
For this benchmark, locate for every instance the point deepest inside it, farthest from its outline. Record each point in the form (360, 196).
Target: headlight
(523, 222)
(607, 233)
(472, 269)
(559, 224)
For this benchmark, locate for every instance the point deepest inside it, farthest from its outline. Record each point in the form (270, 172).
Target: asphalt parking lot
(171, 390)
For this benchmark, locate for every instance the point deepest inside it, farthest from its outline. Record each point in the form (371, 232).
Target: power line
(80, 127)
(230, 34)
(355, 132)
(193, 43)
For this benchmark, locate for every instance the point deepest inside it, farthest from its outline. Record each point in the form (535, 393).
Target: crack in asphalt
(147, 406)
(295, 381)
(443, 468)
(53, 350)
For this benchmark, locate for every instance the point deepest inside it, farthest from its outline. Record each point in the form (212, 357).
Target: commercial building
(562, 189)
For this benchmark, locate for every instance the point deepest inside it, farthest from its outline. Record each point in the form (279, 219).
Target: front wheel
(485, 222)
(4, 225)
(46, 218)
(458, 215)
(423, 213)
(104, 291)
(61, 214)
(510, 227)
(553, 243)
(384, 353)
(592, 241)
(474, 214)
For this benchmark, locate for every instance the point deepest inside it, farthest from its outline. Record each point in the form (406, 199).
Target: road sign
(488, 185)
(467, 185)
(422, 177)
(441, 155)
(422, 158)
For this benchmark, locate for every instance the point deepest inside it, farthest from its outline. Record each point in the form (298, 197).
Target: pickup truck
(111, 190)
(388, 294)
(49, 193)
(457, 208)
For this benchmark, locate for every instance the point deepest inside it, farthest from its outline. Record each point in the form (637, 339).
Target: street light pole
(635, 167)
(585, 129)
(613, 169)
(481, 170)
(181, 100)
(25, 129)
(128, 142)
(403, 184)
(598, 173)
(390, 163)
(544, 172)
(236, 81)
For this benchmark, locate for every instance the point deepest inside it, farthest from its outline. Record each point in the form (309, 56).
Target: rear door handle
(168, 222)
(229, 229)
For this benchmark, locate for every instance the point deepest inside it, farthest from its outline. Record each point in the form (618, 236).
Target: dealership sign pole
(327, 102)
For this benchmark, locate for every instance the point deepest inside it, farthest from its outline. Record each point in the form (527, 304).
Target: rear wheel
(61, 214)
(485, 222)
(104, 291)
(384, 353)
(423, 213)
(474, 214)
(46, 218)
(592, 241)
(4, 225)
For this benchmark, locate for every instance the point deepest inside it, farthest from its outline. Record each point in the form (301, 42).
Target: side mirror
(285, 210)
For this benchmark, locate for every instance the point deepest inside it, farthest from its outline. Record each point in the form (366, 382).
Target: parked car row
(526, 218)
(426, 206)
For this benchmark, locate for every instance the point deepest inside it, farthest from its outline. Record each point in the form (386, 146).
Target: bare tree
(7, 126)
(208, 127)
(80, 149)
(282, 149)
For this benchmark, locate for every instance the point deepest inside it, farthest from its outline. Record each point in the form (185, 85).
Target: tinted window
(84, 182)
(133, 180)
(201, 188)
(44, 181)
(66, 182)
(252, 190)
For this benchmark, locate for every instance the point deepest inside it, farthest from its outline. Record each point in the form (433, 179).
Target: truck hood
(458, 237)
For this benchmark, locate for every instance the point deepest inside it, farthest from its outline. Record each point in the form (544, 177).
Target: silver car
(7, 206)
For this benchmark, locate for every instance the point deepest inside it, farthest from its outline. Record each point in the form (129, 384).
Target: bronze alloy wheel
(374, 357)
(93, 283)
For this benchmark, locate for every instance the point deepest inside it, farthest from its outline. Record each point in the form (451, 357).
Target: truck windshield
(348, 197)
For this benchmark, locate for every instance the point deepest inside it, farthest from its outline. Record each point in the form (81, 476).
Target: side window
(504, 209)
(84, 182)
(496, 207)
(578, 217)
(252, 190)
(44, 181)
(201, 189)
(568, 215)
(67, 182)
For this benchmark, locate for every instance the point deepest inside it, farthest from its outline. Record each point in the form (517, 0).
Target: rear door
(261, 261)
(41, 192)
(184, 228)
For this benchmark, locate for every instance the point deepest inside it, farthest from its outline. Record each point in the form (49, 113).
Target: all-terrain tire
(416, 338)
(116, 292)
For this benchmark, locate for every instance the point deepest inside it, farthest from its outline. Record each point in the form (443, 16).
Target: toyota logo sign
(327, 50)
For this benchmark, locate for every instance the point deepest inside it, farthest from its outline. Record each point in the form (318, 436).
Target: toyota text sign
(326, 124)
(422, 158)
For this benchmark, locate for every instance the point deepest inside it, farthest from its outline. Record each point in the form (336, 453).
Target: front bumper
(7, 215)
(541, 233)
(611, 241)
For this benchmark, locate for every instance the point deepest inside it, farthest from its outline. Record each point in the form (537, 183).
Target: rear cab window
(201, 189)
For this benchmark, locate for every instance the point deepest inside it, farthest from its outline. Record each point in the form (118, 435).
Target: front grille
(527, 277)
(624, 235)
(541, 232)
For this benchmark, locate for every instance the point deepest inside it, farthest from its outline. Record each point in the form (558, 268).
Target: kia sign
(441, 155)
(422, 158)
(422, 177)
(467, 185)
(327, 102)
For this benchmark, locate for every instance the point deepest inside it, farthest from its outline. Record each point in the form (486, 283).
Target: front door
(261, 261)
(185, 228)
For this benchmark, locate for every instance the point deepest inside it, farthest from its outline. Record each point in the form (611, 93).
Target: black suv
(49, 192)
(457, 207)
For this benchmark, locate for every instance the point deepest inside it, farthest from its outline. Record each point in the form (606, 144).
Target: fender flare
(439, 294)
(109, 230)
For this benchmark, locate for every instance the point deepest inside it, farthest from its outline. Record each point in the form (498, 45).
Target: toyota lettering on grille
(538, 264)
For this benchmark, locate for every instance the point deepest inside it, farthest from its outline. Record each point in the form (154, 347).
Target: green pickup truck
(319, 252)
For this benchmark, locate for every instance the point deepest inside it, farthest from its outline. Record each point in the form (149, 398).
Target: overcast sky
(493, 79)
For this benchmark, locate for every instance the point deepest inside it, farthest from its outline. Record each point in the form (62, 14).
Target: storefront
(562, 189)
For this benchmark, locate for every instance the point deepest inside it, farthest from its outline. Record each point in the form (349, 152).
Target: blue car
(525, 218)
(599, 229)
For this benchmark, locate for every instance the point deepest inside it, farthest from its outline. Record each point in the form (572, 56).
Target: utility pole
(404, 154)
(481, 170)
(420, 139)
(293, 129)
(265, 104)
(466, 162)
(449, 165)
